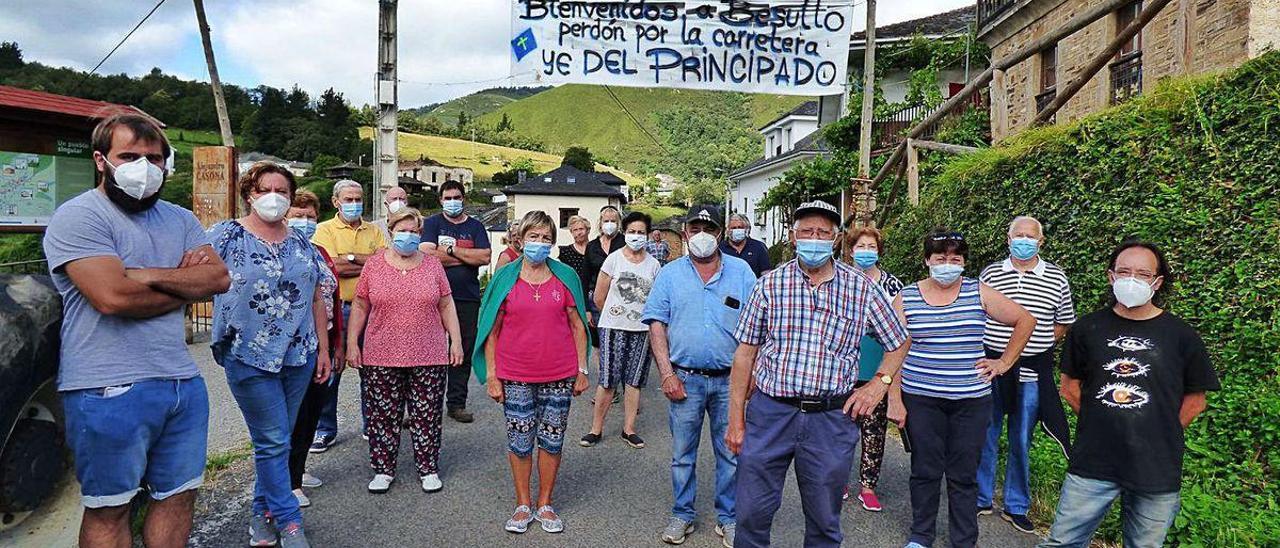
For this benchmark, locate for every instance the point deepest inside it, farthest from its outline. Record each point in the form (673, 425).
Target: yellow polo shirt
(339, 239)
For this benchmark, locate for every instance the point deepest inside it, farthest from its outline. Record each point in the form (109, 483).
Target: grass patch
(221, 461)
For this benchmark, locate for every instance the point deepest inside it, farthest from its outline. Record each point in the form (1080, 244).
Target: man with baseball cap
(692, 311)
(798, 351)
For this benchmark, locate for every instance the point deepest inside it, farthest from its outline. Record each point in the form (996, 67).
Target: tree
(462, 119)
(579, 157)
(505, 124)
(10, 56)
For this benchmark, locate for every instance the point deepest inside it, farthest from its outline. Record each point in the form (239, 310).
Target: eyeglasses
(1144, 275)
(948, 236)
(815, 233)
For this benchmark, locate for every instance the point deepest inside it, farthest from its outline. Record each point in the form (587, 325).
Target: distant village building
(951, 26)
(341, 171)
(562, 193)
(432, 173)
(298, 169)
(1186, 37)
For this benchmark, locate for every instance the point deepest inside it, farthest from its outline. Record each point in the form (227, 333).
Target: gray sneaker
(293, 537)
(728, 531)
(677, 529)
(262, 532)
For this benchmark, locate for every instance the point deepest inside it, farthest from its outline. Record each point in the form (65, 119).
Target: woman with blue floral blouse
(264, 336)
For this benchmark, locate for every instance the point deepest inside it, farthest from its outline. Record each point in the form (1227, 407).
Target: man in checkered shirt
(797, 362)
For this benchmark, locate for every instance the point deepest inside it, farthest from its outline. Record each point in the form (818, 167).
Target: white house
(562, 193)
(790, 139)
(298, 169)
(950, 26)
(432, 173)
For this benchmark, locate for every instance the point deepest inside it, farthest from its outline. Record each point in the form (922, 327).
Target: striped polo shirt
(946, 344)
(1044, 291)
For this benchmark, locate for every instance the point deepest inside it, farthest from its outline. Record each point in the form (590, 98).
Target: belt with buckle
(814, 404)
(703, 372)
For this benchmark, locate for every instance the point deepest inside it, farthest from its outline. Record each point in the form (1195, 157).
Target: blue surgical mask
(537, 252)
(1024, 249)
(945, 274)
(452, 208)
(814, 253)
(306, 227)
(865, 258)
(406, 242)
(737, 234)
(352, 212)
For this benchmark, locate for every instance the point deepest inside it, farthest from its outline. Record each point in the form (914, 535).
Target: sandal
(550, 525)
(517, 524)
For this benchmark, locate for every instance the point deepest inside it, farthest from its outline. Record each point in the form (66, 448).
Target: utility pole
(387, 168)
(862, 194)
(220, 103)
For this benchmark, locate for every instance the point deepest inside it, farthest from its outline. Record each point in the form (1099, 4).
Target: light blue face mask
(1023, 249)
(814, 253)
(865, 258)
(452, 208)
(537, 252)
(945, 274)
(406, 242)
(306, 227)
(352, 212)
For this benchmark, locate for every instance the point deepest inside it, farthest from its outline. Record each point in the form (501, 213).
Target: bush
(1192, 167)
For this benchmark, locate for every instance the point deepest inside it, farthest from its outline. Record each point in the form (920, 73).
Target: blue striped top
(946, 344)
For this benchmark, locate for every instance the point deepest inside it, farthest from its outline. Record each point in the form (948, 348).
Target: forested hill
(476, 104)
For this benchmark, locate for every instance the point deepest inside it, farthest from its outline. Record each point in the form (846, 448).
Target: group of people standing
(796, 364)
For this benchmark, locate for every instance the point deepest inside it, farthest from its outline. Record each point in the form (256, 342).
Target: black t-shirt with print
(1133, 376)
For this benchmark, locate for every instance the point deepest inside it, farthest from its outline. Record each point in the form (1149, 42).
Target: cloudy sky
(448, 48)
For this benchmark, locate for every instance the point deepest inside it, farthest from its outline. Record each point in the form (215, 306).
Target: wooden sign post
(213, 185)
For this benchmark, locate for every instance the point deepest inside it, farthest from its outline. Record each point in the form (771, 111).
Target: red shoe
(845, 496)
(869, 502)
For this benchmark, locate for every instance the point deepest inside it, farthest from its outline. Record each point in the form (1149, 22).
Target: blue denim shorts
(150, 434)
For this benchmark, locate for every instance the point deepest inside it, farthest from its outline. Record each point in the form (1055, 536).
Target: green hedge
(1195, 167)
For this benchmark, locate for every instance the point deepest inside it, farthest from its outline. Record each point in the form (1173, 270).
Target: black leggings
(304, 430)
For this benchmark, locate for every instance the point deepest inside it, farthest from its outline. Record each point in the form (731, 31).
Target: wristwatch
(583, 372)
(351, 257)
(449, 252)
(884, 378)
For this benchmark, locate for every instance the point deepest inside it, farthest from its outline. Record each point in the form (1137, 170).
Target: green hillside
(586, 115)
(476, 104)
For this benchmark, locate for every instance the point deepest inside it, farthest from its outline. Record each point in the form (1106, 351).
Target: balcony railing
(1126, 77)
(989, 10)
(890, 130)
(1044, 98)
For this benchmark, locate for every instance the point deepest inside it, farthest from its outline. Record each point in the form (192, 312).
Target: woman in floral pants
(405, 310)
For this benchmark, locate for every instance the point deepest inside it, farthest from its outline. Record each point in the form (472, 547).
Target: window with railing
(989, 10)
(1126, 70)
(1048, 78)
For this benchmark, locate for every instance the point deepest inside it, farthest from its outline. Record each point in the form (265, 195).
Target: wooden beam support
(913, 174)
(999, 105)
(941, 147)
(1148, 13)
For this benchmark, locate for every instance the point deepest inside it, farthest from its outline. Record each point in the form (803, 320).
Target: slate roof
(25, 99)
(937, 24)
(808, 108)
(811, 144)
(565, 180)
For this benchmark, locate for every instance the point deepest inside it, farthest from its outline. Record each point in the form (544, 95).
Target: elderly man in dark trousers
(791, 388)
(692, 311)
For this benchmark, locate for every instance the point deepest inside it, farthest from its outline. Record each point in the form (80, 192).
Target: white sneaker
(431, 483)
(310, 482)
(303, 501)
(380, 484)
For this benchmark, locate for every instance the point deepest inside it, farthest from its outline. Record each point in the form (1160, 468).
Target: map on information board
(33, 185)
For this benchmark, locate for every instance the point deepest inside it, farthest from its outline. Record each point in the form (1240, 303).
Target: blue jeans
(703, 396)
(328, 424)
(820, 443)
(1084, 502)
(1022, 425)
(149, 433)
(269, 403)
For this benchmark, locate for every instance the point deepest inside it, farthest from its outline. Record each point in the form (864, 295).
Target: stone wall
(1187, 37)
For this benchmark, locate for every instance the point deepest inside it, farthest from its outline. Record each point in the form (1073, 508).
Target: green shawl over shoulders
(496, 292)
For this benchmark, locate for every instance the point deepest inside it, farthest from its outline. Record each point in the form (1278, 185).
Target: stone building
(1186, 37)
(432, 173)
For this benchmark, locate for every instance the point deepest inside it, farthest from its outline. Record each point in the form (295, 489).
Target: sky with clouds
(315, 44)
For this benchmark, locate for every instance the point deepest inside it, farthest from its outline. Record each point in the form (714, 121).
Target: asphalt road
(608, 495)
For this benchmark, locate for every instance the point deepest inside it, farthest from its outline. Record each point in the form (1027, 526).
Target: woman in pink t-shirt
(536, 351)
(405, 310)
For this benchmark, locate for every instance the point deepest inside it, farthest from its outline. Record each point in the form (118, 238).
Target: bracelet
(583, 372)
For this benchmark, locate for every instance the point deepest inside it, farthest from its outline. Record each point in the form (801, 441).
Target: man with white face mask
(394, 200)
(692, 311)
(1137, 376)
(125, 263)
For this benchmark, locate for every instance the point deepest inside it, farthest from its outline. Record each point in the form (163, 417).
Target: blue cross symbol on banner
(524, 44)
